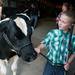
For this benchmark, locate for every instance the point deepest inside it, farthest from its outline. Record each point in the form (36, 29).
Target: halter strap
(10, 44)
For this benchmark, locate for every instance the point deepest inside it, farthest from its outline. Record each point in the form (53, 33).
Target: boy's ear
(73, 24)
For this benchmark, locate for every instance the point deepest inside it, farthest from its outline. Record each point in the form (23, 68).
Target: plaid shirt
(56, 41)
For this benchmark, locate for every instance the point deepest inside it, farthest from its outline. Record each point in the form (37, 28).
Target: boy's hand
(66, 66)
(37, 50)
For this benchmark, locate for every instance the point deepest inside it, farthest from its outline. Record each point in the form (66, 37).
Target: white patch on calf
(5, 63)
(14, 64)
(21, 24)
(24, 14)
(3, 69)
(13, 50)
(6, 19)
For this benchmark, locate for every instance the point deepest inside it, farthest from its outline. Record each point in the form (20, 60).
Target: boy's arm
(67, 65)
(39, 48)
(71, 58)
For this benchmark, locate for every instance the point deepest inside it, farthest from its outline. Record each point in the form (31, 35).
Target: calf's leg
(14, 64)
(3, 69)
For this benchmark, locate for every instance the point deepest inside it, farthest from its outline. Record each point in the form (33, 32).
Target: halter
(10, 44)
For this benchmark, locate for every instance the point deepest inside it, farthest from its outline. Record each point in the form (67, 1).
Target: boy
(56, 41)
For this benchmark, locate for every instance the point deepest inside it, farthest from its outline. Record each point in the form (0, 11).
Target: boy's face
(64, 22)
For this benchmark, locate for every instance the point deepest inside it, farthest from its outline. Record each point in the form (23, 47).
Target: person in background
(34, 14)
(65, 7)
(57, 44)
(1, 6)
(32, 10)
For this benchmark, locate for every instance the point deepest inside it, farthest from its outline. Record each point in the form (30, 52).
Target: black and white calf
(15, 38)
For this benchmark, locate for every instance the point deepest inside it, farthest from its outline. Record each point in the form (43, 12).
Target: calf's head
(19, 31)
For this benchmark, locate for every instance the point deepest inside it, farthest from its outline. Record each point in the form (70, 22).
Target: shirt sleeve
(46, 39)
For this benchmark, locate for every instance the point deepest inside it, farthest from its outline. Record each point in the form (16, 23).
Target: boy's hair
(71, 14)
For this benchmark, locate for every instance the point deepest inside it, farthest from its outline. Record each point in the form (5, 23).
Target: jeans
(53, 70)
(34, 19)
